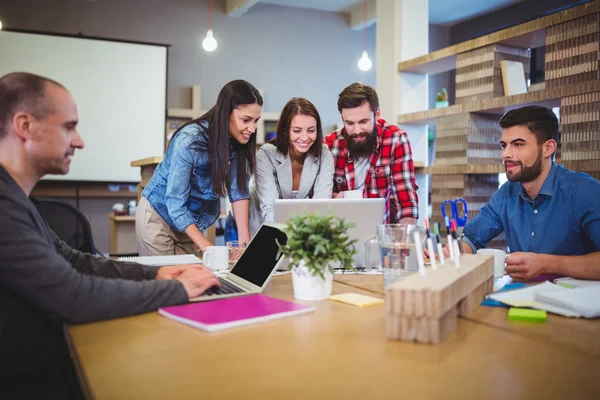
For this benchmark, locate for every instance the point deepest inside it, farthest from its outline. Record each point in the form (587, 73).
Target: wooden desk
(575, 334)
(339, 351)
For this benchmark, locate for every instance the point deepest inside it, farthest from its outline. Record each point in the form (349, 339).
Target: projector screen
(120, 91)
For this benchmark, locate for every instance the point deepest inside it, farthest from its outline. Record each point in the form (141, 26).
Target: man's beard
(527, 174)
(359, 149)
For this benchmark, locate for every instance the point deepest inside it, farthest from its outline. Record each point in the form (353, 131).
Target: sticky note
(355, 299)
(526, 314)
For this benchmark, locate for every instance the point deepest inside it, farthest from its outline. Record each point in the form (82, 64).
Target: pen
(449, 237)
(430, 246)
(419, 245)
(436, 229)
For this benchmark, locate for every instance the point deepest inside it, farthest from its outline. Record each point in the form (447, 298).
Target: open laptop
(252, 271)
(365, 213)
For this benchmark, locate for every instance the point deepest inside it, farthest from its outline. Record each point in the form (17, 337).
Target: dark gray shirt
(44, 283)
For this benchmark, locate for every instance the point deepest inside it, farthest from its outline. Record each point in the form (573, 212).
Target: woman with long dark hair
(208, 158)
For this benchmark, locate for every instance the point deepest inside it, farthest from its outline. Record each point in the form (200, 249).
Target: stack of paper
(577, 302)
(584, 300)
(160, 261)
(526, 297)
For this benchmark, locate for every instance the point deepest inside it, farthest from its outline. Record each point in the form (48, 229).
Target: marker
(449, 237)
(436, 229)
(430, 246)
(455, 244)
(419, 246)
(456, 253)
(453, 229)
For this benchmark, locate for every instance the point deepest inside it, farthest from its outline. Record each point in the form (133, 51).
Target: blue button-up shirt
(181, 189)
(563, 219)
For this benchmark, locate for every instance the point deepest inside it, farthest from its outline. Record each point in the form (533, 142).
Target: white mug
(353, 194)
(216, 258)
(499, 260)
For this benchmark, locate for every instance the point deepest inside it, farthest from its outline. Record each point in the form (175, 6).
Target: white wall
(283, 50)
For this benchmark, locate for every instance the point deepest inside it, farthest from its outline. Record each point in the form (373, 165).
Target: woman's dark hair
(233, 95)
(297, 105)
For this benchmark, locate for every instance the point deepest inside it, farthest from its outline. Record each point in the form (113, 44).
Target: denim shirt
(181, 189)
(563, 219)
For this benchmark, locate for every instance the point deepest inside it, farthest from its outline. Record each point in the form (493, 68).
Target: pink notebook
(236, 311)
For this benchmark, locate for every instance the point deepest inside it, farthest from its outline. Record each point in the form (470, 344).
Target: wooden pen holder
(425, 308)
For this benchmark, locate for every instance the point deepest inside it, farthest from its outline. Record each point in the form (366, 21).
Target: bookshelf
(468, 157)
(499, 105)
(528, 35)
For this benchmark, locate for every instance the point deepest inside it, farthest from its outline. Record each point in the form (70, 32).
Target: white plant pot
(308, 287)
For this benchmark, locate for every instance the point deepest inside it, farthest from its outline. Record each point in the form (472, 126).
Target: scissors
(461, 221)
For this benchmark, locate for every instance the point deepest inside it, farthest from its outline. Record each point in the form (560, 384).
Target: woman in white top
(294, 165)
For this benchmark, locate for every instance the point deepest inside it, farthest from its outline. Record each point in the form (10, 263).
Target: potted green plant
(441, 99)
(316, 243)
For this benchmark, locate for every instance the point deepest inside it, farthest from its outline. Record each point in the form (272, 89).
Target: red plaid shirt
(391, 171)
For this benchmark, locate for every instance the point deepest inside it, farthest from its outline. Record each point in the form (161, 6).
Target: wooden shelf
(82, 190)
(464, 169)
(146, 161)
(500, 105)
(527, 35)
(121, 218)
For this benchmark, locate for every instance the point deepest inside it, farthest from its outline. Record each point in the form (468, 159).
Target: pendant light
(365, 64)
(209, 43)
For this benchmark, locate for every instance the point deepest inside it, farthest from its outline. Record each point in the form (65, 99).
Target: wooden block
(474, 299)
(425, 308)
(445, 287)
(421, 330)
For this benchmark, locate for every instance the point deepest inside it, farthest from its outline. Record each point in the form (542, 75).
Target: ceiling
(441, 12)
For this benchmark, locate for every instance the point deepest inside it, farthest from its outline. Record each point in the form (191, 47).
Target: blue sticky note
(510, 286)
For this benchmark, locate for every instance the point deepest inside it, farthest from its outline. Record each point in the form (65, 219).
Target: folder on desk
(228, 313)
(160, 261)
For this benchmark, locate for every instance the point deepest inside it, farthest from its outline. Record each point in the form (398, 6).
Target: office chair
(69, 224)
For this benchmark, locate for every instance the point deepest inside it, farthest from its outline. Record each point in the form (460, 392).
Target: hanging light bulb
(209, 43)
(365, 63)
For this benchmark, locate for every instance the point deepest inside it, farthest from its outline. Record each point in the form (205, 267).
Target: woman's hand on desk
(197, 280)
(524, 266)
(175, 270)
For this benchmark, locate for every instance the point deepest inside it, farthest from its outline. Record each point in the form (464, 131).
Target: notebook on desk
(229, 313)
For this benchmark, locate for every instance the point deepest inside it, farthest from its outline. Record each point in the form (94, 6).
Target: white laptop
(365, 213)
(252, 271)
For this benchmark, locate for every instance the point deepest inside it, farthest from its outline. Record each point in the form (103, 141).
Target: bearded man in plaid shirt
(371, 155)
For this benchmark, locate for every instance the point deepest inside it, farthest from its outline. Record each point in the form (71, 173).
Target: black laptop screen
(261, 256)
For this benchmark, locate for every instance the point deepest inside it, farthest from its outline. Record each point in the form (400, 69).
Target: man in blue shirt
(550, 215)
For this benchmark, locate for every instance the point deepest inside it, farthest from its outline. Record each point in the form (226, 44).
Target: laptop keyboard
(226, 288)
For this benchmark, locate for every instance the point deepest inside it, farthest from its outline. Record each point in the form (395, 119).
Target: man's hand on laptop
(174, 271)
(197, 280)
